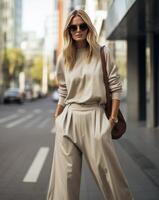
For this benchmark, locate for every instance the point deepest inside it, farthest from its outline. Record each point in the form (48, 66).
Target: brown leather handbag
(120, 127)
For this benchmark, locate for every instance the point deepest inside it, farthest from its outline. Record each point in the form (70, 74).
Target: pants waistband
(84, 105)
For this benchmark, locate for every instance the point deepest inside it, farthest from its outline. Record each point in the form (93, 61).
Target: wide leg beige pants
(85, 130)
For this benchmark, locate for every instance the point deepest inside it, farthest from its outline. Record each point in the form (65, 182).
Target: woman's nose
(78, 28)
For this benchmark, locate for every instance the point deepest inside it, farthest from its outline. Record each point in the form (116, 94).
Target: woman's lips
(78, 35)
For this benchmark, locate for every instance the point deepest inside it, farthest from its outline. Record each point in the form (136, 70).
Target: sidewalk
(138, 152)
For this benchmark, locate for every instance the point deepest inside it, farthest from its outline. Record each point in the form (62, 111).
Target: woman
(82, 127)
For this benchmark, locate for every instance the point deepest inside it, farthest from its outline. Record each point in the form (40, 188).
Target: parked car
(36, 91)
(28, 94)
(33, 92)
(55, 95)
(13, 95)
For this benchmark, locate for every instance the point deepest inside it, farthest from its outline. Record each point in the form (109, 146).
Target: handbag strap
(105, 79)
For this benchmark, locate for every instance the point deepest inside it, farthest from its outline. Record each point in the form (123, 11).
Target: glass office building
(137, 22)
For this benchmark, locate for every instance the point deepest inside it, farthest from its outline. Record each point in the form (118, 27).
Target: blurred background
(30, 42)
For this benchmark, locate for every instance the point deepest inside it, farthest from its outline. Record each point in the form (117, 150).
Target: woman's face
(78, 29)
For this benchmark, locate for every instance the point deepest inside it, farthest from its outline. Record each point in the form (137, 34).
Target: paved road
(26, 146)
(26, 143)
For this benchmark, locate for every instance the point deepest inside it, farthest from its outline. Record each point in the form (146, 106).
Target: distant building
(51, 36)
(10, 30)
(18, 23)
(31, 45)
(10, 22)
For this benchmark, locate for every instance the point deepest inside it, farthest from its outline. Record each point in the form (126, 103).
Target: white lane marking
(42, 124)
(5, 119)
(33, 122)
(21, 110)
(14, 123)
(37, 111)
(36, 166)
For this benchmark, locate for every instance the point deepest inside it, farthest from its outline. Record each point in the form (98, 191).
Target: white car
(55, 95)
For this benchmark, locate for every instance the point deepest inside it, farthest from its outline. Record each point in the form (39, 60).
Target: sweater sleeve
(113, 76)
(62, 89)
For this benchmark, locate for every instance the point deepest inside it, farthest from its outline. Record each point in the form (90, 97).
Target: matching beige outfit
(83, 129)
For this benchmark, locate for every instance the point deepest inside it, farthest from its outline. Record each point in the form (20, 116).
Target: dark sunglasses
(73, 27)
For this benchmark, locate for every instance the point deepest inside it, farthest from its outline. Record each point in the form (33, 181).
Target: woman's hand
(112, 122)
(115, 107)
(58, 110)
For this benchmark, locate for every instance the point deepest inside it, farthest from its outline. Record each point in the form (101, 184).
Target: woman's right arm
(62, 85)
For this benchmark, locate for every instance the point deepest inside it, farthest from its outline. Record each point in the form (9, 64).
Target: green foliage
(36, 69)
(12, 64)
(15, 61)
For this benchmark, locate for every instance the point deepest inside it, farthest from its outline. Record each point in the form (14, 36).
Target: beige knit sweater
(84, 83)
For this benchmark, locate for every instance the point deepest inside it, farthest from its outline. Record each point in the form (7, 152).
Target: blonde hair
(69, 50)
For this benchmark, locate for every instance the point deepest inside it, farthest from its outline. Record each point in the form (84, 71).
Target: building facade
(10, 31)
(10, 22)
(137, 22)
(17, 22)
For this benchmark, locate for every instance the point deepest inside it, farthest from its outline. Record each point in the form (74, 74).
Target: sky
(34, 14)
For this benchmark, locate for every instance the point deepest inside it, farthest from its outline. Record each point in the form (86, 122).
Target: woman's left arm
(114, 85)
